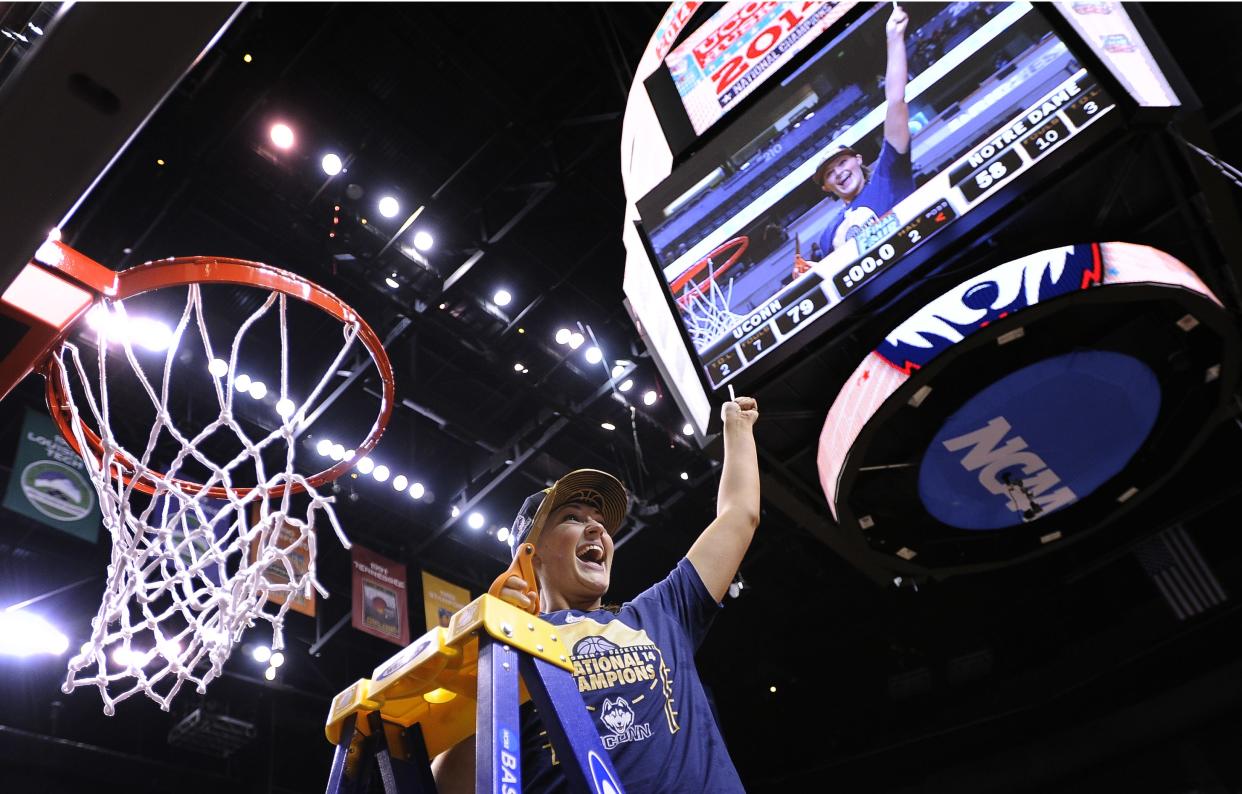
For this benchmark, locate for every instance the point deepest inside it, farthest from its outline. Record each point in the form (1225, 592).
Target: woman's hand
(743, 410)
(895, 28)
(514, 592)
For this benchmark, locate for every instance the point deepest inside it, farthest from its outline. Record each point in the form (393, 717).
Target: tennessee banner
(441, 599)
(379, 594)
(49, 481)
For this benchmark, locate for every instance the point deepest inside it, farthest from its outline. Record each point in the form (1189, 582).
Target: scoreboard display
(992, 92)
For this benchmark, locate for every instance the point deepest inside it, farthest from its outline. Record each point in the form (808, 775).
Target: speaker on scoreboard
(1027, 407)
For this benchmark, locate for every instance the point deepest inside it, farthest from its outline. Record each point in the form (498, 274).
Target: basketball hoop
(704, 304)
(189, 556)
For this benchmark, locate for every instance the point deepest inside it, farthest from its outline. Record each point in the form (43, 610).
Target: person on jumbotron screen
(633, 664)
(870, 191)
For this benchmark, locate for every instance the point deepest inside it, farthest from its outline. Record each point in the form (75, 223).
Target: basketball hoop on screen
(703, 303)
(191, 542)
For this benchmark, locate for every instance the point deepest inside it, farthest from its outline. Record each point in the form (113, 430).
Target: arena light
(285, 407)
(502, 297)
(400, 482)
(423, 241)
(392, 282)
(381, 473)
(618, 368)
(476, 521)
(502, 534)
(366, 466)
(242, 383)
(575, 340)
(258, 389)
(649, 398)
(270, 674)
(593, 355)
(331, 164)
(455, 512)
(389, 207)
(25, 634)
(687, 429)
(563, 335)
(418, 490)
(277, 659)
(337, 452)
(324, 447)
(218, 367)
(119, 328)
(685, 475)
(519, 366)
(626, 385)
(282, 136)
(261, 654)
(608, 425)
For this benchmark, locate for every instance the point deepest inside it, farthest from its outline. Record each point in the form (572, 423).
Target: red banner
(379, 593)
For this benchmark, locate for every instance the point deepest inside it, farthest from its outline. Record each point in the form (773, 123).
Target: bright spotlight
(392, 282)
(128, 657)
(563, 335)
(593, 356)
(25, 634)
(258, 389)
(618, 369)
(455, 512)
(324, 447)
(337, 452)
(218, 367)
(277, 659)
(687, 430)
(423, 241)
(608, 425)
(649, 398)
(282, 136)
(270, 674)
(242, 383)
(575, 340)
(151, 334)
(476, 520)
(381, 473)
(626, 385)
(332, 164)
(366, 465)
(261, 654)
(399, 482)
(502, 298)
(417, 490)
(685, 475)
(518, 367)
(388, 207)
(502, 534)
(285, 407)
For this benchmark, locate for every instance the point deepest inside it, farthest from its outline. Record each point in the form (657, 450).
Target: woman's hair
(866, 172)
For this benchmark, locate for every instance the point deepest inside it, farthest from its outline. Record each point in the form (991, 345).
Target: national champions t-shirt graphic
(624, 680)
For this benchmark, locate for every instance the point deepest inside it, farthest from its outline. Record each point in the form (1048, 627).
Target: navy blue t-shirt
(637, 677)
(891, 180)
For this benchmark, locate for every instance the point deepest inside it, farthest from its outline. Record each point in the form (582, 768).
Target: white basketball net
(184, 585)
(707, 312)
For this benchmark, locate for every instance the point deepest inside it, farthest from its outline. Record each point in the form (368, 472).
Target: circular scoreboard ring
(1027, 407)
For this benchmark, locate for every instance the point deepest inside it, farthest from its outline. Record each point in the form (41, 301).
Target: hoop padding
(190, 565)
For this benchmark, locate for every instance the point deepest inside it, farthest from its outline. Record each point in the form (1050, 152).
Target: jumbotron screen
(836, 174)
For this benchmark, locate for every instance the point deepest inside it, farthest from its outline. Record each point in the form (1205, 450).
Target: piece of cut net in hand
(192, 559)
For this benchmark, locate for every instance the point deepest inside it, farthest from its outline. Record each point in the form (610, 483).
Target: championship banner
(298, 555)
(379, 594)
(49, 482)
(738, 48)
(441, 600)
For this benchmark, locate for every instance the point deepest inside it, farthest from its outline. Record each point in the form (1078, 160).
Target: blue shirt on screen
(891, 180)
(636, 673)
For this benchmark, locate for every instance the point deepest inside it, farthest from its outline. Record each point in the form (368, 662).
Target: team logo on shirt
(619, 717)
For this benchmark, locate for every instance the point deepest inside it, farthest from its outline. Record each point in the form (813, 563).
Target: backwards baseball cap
(591, 487)
(818, 178)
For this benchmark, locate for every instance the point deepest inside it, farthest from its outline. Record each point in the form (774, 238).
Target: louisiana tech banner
(379, 594)
(49, 482)
(441, 599)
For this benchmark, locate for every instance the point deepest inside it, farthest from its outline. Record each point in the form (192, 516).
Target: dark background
(1068, 673)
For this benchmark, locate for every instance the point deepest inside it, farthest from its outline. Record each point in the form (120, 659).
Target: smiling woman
(633, 664)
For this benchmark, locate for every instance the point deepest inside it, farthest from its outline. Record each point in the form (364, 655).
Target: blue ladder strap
(585, 762)
(497, 750)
